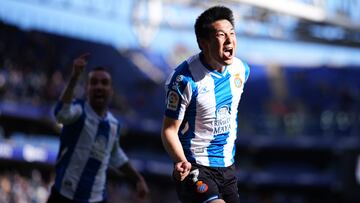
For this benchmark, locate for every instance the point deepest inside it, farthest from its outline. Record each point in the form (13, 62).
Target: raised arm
(65, 112)
(77, 69)
(174, 148)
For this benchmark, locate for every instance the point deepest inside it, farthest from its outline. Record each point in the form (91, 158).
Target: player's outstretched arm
(174, 148)
(78, 68)
(130, 172)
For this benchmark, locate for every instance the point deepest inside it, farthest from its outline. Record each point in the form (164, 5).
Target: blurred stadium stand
(299, 118)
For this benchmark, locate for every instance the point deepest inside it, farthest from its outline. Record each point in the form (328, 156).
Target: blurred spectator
(15, 188)
(30, 69)
(27, 67)
(33, 188)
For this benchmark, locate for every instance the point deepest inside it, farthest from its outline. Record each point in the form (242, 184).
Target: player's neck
(210, 64)
(100, 111)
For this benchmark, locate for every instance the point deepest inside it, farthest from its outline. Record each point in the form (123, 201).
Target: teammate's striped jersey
(207, 103)
(88, 143)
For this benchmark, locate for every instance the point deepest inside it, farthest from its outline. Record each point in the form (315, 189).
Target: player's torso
(97, 137)
(209, 128)
(86, 161)
(215, 98)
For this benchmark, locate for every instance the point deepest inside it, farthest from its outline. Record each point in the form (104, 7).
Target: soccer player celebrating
(200, 123)
(89, 141)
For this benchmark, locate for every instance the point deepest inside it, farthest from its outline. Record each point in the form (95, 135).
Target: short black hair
(99, 68)
(209, 16)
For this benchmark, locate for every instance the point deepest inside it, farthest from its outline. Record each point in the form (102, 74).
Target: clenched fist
(79, 64)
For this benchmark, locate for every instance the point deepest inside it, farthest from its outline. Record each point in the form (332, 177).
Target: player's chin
(228, 61)
(100, 102)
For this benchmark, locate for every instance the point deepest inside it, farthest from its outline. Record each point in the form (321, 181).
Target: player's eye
(105, 82)
(93, 82)
(220, 34)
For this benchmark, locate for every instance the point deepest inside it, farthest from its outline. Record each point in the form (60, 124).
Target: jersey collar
(93, 113)
(212, 71)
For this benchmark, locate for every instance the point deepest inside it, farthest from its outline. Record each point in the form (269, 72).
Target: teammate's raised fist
(79, 64)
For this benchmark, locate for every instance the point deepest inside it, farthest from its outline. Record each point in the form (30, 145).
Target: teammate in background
(89, 141)
(200, 123)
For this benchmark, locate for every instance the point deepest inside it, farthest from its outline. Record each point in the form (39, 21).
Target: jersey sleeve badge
(172, 101)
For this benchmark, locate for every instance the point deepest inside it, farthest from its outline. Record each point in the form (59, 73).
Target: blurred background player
(89, 141)
(200, 124)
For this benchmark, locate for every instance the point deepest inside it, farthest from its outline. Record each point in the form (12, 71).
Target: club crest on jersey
(172, 101)
(237, 81)
(201, 187)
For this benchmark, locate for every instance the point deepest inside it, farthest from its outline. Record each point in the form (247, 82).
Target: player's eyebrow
(222, 30)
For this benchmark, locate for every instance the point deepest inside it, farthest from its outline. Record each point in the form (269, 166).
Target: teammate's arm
(77, 69)
(66, 113)
(172, 145)
(130, 172)
(120, 163)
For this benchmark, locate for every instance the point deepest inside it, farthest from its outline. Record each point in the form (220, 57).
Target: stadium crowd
(17, 188)
(31, 72)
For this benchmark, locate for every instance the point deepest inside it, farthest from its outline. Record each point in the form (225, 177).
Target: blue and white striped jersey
(207, 103)
(88, 144)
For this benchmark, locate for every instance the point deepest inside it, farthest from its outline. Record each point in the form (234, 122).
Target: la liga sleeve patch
(172, 101)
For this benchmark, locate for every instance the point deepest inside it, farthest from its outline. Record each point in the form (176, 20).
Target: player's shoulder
(75, 102)
(184, 67)
(240, 66)
(112, 118)
(80, 102)
(182, 73)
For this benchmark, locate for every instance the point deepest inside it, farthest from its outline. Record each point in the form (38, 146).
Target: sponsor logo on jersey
(175, 86)
(237, 81)
(67, 183)
(172, 101)
(198, 150)
(98, 150)
(179, 78)
(222, 122)
(204, 90)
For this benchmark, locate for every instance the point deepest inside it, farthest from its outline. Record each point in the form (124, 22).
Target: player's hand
(142, 189)
(181, 170)
(79, 64)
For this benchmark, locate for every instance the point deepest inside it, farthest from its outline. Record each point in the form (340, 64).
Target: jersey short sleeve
(179, 90)
(68, 113)
(247, 71)
(118, 156)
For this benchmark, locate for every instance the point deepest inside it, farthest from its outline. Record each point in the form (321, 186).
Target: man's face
(220, 47)
(99, 89)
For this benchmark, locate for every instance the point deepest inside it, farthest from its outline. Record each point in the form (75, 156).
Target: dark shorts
(56, 197)
(204, 184)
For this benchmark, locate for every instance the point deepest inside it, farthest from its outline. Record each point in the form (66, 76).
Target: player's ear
(111, 91)
(202, 43)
